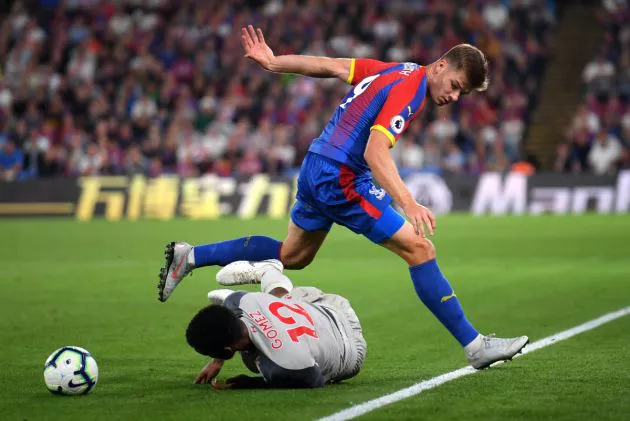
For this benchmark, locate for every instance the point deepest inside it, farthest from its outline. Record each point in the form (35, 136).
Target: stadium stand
(160, 86)
(598, 138)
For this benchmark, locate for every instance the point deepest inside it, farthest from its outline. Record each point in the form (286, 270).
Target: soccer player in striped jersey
(336, 181)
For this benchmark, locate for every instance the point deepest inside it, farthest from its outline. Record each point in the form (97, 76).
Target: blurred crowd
(93, 87)
(598, 139)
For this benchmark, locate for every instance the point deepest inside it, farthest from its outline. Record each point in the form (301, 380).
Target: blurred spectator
(624, 160)
(453, 159)
(51, 163)
(600, 68)
(604, 153)
(498, 160)
(11, 158)
(579, 152)
(410, 154)
(563, 162)
(135, 162)
(249, 164)
(432, 155)
(599, 134)
(282, 153)
(160, 86)
(443, 127)
(477, 162)
(495, 14)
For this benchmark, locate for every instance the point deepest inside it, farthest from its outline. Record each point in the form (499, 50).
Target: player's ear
(442, 65)
(228, 353)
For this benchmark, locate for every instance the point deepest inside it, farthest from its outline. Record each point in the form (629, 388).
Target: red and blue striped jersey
(385, 97)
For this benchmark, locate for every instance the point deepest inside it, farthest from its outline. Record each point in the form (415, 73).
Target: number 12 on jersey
(295, 332)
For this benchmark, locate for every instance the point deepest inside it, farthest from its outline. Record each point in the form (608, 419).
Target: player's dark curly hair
(212, 329)
(472, 61)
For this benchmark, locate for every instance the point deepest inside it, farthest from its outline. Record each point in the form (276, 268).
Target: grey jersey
(295, 339)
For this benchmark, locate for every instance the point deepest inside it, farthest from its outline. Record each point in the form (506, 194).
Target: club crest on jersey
(378, 193)
(397, 124)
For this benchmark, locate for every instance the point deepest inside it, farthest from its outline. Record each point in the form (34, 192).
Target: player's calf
(432, 287)
(300, 247)
(296, 260)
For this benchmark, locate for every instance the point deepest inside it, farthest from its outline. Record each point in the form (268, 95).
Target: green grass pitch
(94, 285)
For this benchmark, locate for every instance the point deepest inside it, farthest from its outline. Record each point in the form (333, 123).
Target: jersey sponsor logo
(376, 192)
(397, 124)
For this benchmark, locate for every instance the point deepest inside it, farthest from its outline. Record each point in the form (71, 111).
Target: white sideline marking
(417, 388)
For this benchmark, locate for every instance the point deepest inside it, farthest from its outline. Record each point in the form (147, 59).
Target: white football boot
(177, 267)
(243, 272)
(486, 350)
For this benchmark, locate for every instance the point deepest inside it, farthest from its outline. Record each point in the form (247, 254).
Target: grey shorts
(352, 332)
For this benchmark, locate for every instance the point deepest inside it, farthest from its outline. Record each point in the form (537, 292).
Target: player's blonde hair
(470, 59)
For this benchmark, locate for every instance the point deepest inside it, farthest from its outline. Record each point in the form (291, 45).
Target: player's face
(448, 84)
(240, 345)
(226, 354)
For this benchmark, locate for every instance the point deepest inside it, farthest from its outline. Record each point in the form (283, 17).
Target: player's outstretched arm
(257, 50)
(209, 372)
(242, 381)
(384, 170)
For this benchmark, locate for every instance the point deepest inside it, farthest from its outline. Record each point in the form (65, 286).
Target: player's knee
(423, 249)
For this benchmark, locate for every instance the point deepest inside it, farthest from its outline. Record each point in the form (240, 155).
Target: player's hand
(420, 217)
(242, 381)
(255, 47)
(209, 372)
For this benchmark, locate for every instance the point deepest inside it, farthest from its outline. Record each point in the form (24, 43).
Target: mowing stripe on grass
(417, 388)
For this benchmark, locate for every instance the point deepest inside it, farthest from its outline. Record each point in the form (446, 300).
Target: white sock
(474, 346)
(273, 279)
(190, 257)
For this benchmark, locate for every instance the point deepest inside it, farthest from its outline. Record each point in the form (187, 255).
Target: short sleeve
(360, 68)
(279, 377)
(233, 302)
(402, 105)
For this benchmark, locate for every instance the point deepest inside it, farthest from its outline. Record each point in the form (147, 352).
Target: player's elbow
(368, 157)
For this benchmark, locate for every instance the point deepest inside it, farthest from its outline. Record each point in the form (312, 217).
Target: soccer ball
(70, 371)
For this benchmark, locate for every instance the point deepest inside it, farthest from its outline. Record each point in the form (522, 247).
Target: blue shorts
(329, 191)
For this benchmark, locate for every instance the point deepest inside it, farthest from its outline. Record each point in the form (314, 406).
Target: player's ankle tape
(272, 280)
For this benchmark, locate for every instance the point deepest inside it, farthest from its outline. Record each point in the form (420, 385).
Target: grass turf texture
(94, 285)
